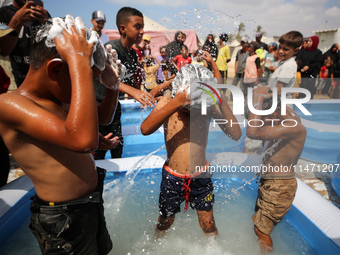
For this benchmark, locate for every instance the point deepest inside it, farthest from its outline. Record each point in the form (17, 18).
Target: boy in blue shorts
(186, 147)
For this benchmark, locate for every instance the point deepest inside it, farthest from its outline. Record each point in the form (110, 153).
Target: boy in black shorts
(186, 148)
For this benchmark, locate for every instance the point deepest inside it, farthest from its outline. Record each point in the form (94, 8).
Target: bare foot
(265, 241)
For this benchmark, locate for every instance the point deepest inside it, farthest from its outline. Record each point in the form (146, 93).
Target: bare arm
(110, 78)
(163, 110)
(224, 112)
(141, 96)
(78, 130)
(207, 57)
(271, 132)
(30, 11)
(157, 91)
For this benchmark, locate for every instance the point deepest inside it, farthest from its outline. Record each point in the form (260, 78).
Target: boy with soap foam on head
(186, 147)
(54, 116)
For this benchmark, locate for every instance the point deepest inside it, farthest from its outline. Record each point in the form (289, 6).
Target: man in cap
(146, 45)
(240, 62)
(98, 21)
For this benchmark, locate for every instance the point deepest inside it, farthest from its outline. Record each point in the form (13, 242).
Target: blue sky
(205, 16)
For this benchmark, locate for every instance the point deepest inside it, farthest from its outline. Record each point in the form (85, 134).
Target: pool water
(326, 113)
(131, 208)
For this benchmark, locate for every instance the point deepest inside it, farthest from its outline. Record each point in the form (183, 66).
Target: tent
(160, 36)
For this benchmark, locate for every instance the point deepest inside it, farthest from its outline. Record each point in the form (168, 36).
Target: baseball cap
(146, 38)
(258, 34)
(244, 39)
(5, 30)
(98, 16)
(273, 44)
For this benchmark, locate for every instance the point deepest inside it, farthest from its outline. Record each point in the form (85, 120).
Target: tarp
(161, 38)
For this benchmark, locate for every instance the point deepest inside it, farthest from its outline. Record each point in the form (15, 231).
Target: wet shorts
(275, 197)
(175, 190)
(73, 227)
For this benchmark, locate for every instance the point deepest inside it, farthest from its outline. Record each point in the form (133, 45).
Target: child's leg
(207, 222)
(265, 241)
(163, 224)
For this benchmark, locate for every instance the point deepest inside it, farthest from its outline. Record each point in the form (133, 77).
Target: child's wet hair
(188, 79)
(39, 52)
(267, 104)
(43, 47)
(293, 39)
(124, 14)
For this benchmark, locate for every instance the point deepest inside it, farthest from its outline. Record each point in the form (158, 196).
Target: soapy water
(131, 213)
(191, 79)
(54, 29)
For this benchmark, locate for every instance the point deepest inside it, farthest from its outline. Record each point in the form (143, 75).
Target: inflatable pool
(311, 226)
(323, 130)
(323, 135)
(131, 196)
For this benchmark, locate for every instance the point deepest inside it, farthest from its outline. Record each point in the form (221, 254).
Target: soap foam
(55, 29)
(187, 80)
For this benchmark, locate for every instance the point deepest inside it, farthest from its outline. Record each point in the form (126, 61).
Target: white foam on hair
(98, 57)
(190, 79)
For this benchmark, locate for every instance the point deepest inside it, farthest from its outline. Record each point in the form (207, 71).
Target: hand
(145, 98)
(262, 91)
(107, 143)
(207, 57)
(183, 98)
(39, 13)
(305, 69)
(74, 45)
(110, 77)
(23, 15)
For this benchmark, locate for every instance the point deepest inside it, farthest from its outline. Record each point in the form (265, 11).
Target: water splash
(117, 191)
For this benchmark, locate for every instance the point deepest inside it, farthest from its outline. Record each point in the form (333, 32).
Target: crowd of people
(66, 112)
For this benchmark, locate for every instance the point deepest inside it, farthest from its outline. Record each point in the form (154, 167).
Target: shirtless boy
(50, 125)
(283, 147)
(186, 148)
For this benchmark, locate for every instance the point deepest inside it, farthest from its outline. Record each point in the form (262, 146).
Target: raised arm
(231, 129)
(207, 57)
(33, 112)
(110, 79)
(269, 131)
(158, 90)
(163, 110)
(145, 98)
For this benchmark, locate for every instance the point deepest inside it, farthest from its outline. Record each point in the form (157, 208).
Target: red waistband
(185, 176)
